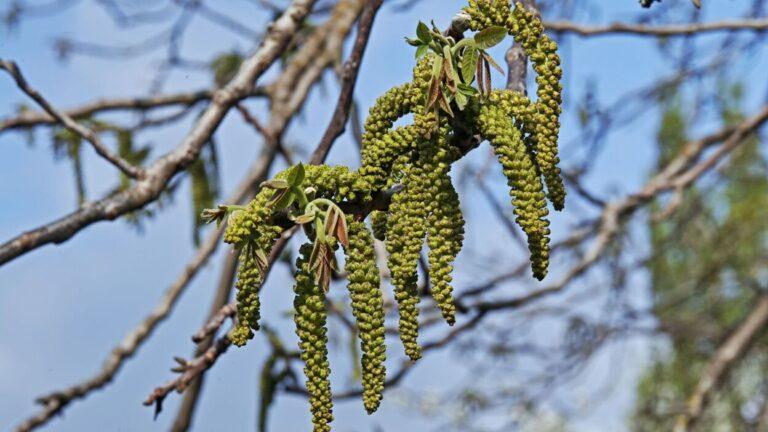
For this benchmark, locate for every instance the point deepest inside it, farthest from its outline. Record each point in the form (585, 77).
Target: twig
(33, 118)
(646, 30)
(215, 322)
(348, 80)
(191, 370)
(220, 297)
(159, 174)
(67, 121)
(55, 402)
(721, 362)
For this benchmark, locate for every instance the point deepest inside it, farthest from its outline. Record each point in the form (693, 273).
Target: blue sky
(62, 308)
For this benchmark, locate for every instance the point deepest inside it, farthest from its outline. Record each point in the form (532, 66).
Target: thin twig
(160, 173)
(349, 75)
(69, 123)
(220, 297)
(647, 30)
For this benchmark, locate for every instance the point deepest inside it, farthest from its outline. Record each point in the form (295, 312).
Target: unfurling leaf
(421, 51)
(490, 37)
(261, 260)
(336, 225)
(448, 70)
(480, 77)
(342, 231)
(305, 218)
(275, 184)
(423, 33)
(434, 86)
(322, 261)
(445, 104)
(413, 42)
(331, 218)
(493, 63)
(210, 215)
(281, 199)
(296, 175)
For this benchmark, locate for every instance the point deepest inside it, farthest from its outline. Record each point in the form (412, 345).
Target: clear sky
(62, 308)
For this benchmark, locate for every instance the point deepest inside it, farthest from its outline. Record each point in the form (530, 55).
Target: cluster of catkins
(411, 164)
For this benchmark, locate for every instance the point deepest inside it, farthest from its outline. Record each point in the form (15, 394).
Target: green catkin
(487, 13)
(379, 225)
(250, 230)
(524, 182)
(336, 183)
(395, 103)
(528, 31)
(368, 309)
(310, 318)
(415, 161)
(248, 306)
(445, 237)
(379, 157)
(405, 236)
(436, 157)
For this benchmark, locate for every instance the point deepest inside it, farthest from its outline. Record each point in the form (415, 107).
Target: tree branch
(67, 121)
(157, 176)
(757, 25)
(721, 363)
(220, 298)
(32, 118)
(349, 74)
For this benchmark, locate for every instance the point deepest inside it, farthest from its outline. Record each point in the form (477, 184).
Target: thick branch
(55, 402)
(157, 176)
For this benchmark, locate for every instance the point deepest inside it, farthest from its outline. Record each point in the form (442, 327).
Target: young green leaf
(413, 42)
(469, 65)
(275, 184)
(464, 43)
(296, 175)
(281, 199)
(490, 37)
(467, 90)
(423, 33)
(305, 218)
(461, 100)
(421, 50)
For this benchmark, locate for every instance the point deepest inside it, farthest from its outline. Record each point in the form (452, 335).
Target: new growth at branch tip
(452, 102)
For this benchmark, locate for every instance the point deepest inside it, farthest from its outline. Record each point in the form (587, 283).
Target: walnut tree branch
(159, 174)
(68, 122)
